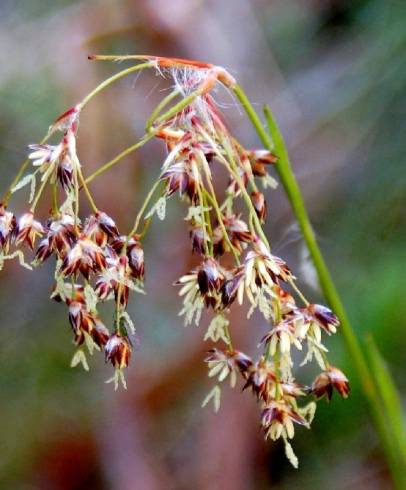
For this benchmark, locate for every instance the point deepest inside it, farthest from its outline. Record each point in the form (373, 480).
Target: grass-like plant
(94, 262)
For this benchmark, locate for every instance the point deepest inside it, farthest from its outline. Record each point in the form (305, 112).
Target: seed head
(199, 239)
(261, 380)
(282, 336)
(277, 420)
(61, 233)
(259, 159)
(85, 256)
(258, 200)
(324, 317)
(209, 276)
(107, 224)
(135, 255)
(28, 229)
(118, 351)
(233, 287)
(43, 156)
(7, 225)
(225, 362)
(330, 380)
(237, 230)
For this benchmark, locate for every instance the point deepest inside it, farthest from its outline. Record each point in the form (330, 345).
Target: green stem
(213, 200)
(119, 157)
(232, 166)
(179, 106)
(76, 187)
(112, 79)
(4, 200)
(274, 141)
(293, 191)
(39, 194)
(208, 222)
(144, 207)
(161, 119)
(203, 218)
(228, 335)
(267, 353)
(55, 197)
(298, 292)
(164, 102)
(87, 192)
(233, 171)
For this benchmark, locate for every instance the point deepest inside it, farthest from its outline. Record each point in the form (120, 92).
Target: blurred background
(334, 73)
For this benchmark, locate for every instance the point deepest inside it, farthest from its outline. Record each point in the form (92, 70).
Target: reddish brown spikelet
(330, 380)
(209, 276)
(118, 351)
(258, 200)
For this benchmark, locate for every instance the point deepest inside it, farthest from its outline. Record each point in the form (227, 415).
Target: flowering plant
(95, 263)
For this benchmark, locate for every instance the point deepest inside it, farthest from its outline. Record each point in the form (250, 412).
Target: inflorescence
(95, 263)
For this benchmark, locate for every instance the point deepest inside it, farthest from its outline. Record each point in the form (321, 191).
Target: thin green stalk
(178, 107)
(213, 200)
(119, 157)
(208, 222)
(144, 230)
(267, 353)
(233, 170)
(113, 57)
(217, 210)
(76, 186)
(163, 103)
(298, 292)
(144, 207)
(55, 197)
(228, 335)
(87, 192)
(5, 198)
(161, 119)
(274, 141)
(39, 194)
(110, 80)
(253, 214)
(201, 203)
(293, 191)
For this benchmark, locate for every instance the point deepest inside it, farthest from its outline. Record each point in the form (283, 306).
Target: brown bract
(277, 418)
(238, 231)
(85, 257)
(324, 317)
(261, 379)
(231, 286)
(330, 380)
(258, 200)
(7, 225)
(209, 276)
(135, 254)
(28, 229)
(235, 359)
(118, 351)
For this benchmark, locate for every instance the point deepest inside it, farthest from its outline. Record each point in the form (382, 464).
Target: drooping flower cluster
(95, 263)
